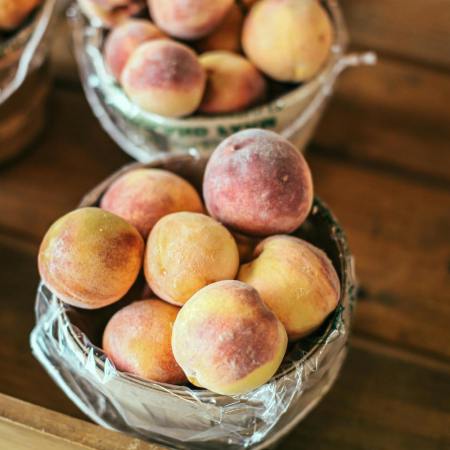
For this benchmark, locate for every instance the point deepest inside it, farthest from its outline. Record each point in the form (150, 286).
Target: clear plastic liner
(184, 416)
(142, 134)
(20, 54)
(24, 81)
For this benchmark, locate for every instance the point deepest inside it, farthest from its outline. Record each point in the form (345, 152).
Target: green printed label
(268, 122)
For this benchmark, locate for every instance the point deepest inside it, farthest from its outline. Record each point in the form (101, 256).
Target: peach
(164, 77)
(258, 183)
(124, 39)
(90, 258)
(143, 196)
(110, 13)
(185, 252)
(226, 340)
(296, 280)
(227, 36)
(14, 12)
(188, 19)
(289, 40)
(233, 83)
(138, 340)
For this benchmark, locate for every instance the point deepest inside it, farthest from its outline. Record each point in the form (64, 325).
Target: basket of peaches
(168, 75)
(198, 303)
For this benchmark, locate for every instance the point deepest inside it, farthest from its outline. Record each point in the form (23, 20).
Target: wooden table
(380, 159)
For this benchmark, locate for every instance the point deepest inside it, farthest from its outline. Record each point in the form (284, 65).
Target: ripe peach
(188, 19)
(233, 83)
(185, 252)
(226, 339)
(124, 39)
(289, 40)
(258, 183)
(14, 12)
(90, 258)
(227, 36)
(296, 280)
(109, 13)
(164, 77)
(138, 340)
(143, 196)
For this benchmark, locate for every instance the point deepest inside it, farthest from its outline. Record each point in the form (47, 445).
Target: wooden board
(24, 426)
(415, 29)
(393, 115)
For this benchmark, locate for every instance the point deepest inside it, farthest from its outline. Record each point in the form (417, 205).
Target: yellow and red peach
(258, 183)
(296, 281)
(188, 19)
(90, 258)
(185, 252)
(143, 196)
(14, 12)
(233, 83)
(164, 77)
(124, 39)
(289, 40)
(226, 340)
(138, 340)
(110, 13)
(227, 36)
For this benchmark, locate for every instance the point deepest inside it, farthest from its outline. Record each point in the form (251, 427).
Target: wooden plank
(393, 114)
(416, 29)
(26, 426)
(398, 231)
(73, 155)
(379, 403)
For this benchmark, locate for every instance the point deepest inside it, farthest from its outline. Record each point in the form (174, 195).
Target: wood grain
(414, 29)
(398, 232)
(379, 403)
(26, 426)
(395, 115)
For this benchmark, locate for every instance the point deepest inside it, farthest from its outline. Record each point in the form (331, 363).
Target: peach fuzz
(124, 39)
(90, 258)
(227, 36)
(143, 196)
(14, 12)
(185, 252)
(258, 183)
(110, 13)
(296, 280)
(227, 340)
(138, 340)
(289, 40)
(164, 77)
(233, 83)
(188, 19)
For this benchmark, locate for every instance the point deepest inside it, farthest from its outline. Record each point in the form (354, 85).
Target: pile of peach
(228, 53)
(14, 12)
(226, 291)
